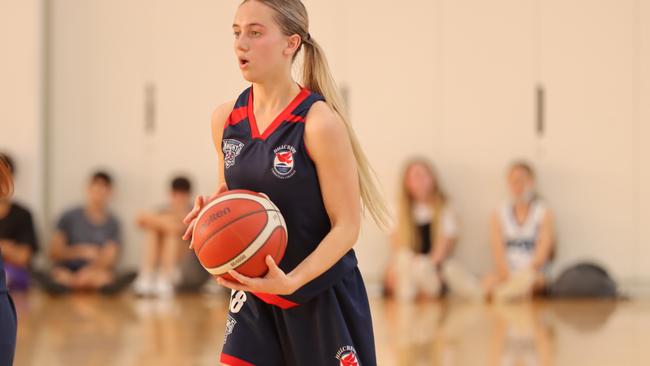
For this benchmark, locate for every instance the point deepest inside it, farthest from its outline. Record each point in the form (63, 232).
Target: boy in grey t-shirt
(86, 244)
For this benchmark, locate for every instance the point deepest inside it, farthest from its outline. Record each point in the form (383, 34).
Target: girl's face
(260, 46)
(419, 182)
(520, 184)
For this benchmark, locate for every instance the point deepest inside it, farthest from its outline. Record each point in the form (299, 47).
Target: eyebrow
(250, 25)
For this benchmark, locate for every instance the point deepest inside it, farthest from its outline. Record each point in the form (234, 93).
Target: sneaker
(163, 287)
(461, 282)
(119, 283)
(144, 285)
(49, 285)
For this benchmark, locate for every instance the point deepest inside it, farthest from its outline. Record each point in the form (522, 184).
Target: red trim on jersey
(285, 115)
(293, 118)
(236, 116)
(233, 361)
(275, 300)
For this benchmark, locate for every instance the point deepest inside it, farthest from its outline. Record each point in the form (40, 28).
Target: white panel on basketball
(274, 221)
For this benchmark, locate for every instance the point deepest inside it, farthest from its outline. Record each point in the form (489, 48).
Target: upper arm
(547, 229)
(218, 121)
(58, 243)
(328, 142)
(27, 232)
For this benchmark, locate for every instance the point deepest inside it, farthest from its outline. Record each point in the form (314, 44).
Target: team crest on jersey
(231, 148)
(283, 163)
(230, 325)
(347, 356)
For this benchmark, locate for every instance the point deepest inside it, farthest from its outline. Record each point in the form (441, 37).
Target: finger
(272, 265)
(198, 205)
(240, 277)
(188, 231)
(233, 285)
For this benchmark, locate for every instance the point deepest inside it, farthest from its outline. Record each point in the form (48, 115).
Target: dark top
(277, 163)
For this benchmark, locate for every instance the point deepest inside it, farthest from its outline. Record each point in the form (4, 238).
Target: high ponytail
(292, 17)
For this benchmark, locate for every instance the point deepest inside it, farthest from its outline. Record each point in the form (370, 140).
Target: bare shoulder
(322, 122)
(220, 114)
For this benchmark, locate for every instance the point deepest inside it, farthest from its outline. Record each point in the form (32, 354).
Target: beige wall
(450, 80)
(644, 141)
(20, 95)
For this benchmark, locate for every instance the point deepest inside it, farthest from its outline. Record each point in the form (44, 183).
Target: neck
(95, 209)
(274, 93)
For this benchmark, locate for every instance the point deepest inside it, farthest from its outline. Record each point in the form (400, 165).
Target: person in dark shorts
(86, 244)
(295, 144)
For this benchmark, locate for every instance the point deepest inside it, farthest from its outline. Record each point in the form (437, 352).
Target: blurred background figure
(86, 244)
(425, 234)
(522, 241)
(166, 261)
(18, 242)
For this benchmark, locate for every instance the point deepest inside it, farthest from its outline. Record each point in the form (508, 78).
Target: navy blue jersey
(277, 163)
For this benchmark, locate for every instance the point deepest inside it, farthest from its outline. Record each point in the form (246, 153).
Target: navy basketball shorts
(332, 329)
(7, 329)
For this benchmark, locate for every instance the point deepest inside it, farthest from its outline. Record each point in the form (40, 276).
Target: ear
(293, 44)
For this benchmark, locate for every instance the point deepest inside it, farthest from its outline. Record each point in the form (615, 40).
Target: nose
(241, 43)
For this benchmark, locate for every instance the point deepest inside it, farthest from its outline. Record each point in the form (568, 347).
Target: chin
(249, 77)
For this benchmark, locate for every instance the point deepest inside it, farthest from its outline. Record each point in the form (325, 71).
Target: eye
(255, 34)
(236, 33)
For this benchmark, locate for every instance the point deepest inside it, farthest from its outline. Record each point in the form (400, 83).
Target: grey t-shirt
(79, 229)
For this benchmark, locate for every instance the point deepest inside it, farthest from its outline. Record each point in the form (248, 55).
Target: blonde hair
(291, 16)
(406, 233)
(6, 184)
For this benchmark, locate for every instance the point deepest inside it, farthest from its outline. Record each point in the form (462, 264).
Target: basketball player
(522, 239)
(294, 144)
(7, 311)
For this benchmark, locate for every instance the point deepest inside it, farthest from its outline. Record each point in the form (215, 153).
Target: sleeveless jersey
(520, 238)
(276, 162)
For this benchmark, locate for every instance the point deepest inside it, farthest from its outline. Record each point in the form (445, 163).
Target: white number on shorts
(237, 300)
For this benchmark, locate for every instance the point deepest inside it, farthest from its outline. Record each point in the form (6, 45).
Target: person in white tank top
(522, 239)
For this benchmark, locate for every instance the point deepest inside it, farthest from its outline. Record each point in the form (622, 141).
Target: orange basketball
(237, 230)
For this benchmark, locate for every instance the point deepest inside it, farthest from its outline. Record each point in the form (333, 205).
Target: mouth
(243, 62)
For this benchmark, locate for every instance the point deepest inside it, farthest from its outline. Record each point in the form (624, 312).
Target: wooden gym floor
(188, 330)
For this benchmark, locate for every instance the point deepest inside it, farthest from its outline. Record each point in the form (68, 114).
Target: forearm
(332, 248)
(542, 255)
(106, 258)
(16, 254)
(441, 249)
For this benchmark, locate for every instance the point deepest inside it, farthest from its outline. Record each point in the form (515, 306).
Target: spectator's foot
(518, 287)
(461, 282)
(49, 285)
(163, 287)
(120, 282)
(144, 285)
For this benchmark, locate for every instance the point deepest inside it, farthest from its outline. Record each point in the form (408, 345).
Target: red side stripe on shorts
(233, 361)
(275, 300)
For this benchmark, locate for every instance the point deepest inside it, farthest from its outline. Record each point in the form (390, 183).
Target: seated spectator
(522, 242)
(166, 261)
(18, 242)
(425, 234)
(86, 245)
